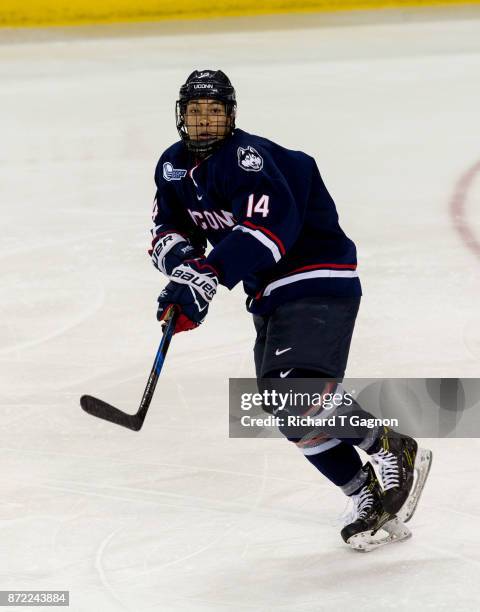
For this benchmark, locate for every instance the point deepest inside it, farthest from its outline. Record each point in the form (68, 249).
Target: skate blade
(423, 463)
(396, 531)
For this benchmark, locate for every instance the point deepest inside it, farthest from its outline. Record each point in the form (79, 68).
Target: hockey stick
(102, 410)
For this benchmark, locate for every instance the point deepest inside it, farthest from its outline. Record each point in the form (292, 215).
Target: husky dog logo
(249, 159)
(172, 174)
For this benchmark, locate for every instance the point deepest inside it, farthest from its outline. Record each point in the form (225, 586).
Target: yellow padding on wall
(50, 12)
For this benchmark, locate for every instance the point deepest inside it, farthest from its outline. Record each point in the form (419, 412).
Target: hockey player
(273, 225)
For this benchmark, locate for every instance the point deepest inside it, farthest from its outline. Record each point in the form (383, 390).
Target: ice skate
(403, 472)
(423, 463)
(368, 519)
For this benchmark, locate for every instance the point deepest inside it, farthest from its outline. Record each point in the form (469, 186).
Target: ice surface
(178, 517)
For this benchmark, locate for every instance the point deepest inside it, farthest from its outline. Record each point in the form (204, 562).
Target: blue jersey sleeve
(268, 217)
(166, 215)
(170, 216)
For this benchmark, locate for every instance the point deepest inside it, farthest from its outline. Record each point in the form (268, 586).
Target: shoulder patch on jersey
(249, 159)
(172, 174)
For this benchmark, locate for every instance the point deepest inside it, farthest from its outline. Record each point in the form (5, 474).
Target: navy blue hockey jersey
(267, 214)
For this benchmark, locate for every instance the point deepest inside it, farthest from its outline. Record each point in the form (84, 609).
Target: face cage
(202, 148)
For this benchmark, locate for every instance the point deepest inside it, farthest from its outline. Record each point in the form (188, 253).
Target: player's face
(206, 119)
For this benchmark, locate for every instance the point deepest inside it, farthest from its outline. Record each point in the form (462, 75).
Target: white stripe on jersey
(260, 236)
(306, 276)
(156, 229)
(320, 448)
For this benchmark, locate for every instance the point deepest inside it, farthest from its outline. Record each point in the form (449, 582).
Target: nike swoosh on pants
(280, 352)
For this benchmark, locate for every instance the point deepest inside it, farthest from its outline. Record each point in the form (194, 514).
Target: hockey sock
(359, 435)
(339, 463)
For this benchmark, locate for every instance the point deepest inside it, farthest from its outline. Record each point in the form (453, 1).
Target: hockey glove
(171, 250)
(192, 287)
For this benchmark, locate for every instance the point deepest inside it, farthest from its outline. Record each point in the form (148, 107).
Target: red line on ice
(457, 209)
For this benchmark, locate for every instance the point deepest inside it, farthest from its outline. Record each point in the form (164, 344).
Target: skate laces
(389, 472)
(358, 506)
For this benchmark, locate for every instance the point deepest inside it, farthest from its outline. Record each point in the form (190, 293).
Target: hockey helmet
(206, 84)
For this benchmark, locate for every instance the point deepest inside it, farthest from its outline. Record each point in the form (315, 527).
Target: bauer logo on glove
(193, 285)
(202, 282)
(169, 251)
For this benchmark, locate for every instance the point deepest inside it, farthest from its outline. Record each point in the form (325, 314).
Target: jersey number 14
(260, 207)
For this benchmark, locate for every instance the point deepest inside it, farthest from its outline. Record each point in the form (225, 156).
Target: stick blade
(100, 409)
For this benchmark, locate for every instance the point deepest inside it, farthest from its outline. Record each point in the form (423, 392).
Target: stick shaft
(107, 412)
(157, 366)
